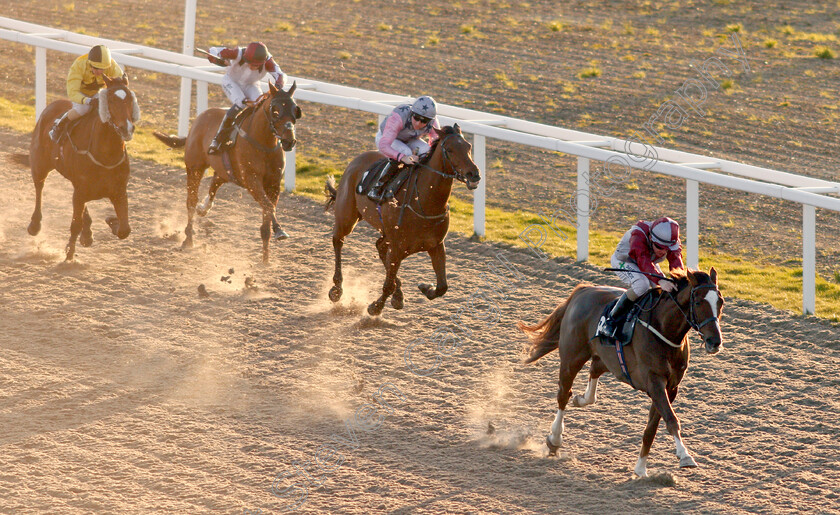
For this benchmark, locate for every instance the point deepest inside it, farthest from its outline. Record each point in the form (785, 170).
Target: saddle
(625, 333)
(368, 178)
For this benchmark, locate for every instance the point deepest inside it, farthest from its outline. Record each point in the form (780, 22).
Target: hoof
(687, 463)
(188, 244)
(34, 228)
(576, 401)
(397, 302)
(427, 290)
(86, 240)
(113, 223)
(552, 449)
(280, 235)
(374, 310)
(335, 293)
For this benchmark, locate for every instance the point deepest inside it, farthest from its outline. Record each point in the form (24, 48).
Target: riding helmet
(99, 57)
(425, 106)
(665, 232)
(256, 53)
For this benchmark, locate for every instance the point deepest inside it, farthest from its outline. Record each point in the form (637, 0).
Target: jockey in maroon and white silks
(401, 138)
(246, 66)
(641, 249)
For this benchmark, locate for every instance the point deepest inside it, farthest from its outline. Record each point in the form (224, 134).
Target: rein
(256, 144)
(90, 155)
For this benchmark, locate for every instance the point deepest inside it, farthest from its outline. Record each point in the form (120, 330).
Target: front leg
(438, 255)
(392, 266)
(662, 402)
(75, 225)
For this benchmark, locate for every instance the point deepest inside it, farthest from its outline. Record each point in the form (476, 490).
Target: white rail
(809, 192)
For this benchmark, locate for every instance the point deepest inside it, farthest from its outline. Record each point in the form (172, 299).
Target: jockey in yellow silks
(85, 79)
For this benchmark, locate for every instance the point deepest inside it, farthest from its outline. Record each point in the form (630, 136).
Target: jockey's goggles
(421, 119)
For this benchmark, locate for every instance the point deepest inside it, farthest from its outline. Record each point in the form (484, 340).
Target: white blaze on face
(120, 93)
(712, 298)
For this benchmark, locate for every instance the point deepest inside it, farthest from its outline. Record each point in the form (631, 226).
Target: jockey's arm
(221, 52)
(275, 72)
(392, 127)
(675, 258)
(640, 253)
(74, 81)
(433, 135)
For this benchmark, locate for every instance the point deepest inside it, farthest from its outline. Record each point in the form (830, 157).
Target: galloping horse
(91, 155)
(658, 352)
(255, 160)
(417, 222)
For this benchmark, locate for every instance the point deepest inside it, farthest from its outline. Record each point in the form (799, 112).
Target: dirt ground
(124, 391)
(503, 56)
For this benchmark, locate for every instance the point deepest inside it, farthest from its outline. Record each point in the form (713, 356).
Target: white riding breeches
(639, 282)
(413, 146)
(81, 108)
(238, 94)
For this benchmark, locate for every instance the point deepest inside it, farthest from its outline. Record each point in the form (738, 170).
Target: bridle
(87, 152)
(266, 109)
(456, 173)
(691, 317)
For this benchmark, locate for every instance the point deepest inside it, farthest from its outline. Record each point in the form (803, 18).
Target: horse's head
(705, 304)
(283, 113)
(457, 156)
(118, 107)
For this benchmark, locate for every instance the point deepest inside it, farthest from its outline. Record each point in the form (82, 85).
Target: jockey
(84, 81)
(245, 68)
(640, 249)
(400, 138)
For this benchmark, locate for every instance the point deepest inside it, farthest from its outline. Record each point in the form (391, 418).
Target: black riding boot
(377, 190)
(224, 130)
(616, 317)
(59, 127)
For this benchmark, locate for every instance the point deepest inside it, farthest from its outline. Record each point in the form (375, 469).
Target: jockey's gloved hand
(409, 159)
(667, 286)
(87, 100)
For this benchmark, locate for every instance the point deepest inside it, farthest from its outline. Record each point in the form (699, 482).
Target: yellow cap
(99, 57)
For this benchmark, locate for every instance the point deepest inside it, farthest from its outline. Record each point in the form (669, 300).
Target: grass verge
(778, 286)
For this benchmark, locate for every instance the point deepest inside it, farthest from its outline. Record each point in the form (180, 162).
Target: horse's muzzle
(288, 144)
(712, 344)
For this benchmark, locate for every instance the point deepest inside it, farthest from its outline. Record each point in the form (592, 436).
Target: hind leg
(204, 208)
(86, 238)
(193, 181)
(596, 370)
(569, 368)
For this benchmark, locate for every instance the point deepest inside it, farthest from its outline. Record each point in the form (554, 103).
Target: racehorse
(91, 154)
(417, 221)
(255, 160)
(658, 351)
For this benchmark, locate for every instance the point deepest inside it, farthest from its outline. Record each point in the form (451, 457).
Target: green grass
(823, 52)
(777, 285)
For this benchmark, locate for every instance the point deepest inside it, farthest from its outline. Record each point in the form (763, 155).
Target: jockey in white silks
(245, 68)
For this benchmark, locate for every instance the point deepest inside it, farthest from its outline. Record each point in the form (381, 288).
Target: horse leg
(338, 242)
(75, 225)
(86, 239)
(204, 208)
(662, 402)
(193, 181)
(397, 298)
(392, 265)
(569, 368)
(438, 255)
(272, 192)
(119, 224)
(39, 176)
(596, 369)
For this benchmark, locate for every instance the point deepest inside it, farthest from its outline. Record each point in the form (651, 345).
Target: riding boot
(377, 190)
(59, 127)
(224, 130)
(615, 319)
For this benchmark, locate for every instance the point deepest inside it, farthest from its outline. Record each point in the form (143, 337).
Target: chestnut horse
(91, 154)
(656, 357)
(416, 221)
(256, 159)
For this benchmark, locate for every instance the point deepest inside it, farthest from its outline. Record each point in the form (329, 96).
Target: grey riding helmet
(425, 106)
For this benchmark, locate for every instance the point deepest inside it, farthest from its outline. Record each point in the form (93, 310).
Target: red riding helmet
(665, 232)
(256, 53)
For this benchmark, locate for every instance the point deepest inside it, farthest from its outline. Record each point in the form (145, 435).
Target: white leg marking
(588, 396)
(205, 205)
(712, 298)
(682, 453)
(557, 427)
(641, 467)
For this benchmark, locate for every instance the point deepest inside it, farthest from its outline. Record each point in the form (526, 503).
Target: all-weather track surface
(124, 391)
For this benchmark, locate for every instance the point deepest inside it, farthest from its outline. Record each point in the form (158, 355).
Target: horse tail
(545, 336)
(330, 192)
(171, 141)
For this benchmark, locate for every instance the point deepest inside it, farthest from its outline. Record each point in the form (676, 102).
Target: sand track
(124, 392)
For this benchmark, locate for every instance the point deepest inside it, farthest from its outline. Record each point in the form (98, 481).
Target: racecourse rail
(811, 193)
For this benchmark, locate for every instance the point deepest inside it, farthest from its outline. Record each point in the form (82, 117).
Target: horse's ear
(713, 275)
(107, 80)
(457, 128)
(124, 79)
(691, 279)
(272, 88)
(293, 88)
(437, 132)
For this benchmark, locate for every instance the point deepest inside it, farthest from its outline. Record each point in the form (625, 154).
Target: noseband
(691, 317)
(455, 174)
